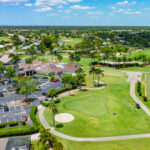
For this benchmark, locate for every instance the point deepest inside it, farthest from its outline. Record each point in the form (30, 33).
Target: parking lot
(15, 113)
(12, 100)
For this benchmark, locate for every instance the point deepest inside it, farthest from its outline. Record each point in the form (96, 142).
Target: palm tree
(10, 73)
(69, 87)
(80, 78)
(99, 72)
(59, 57)
(29, 62)
(32, 51)
(2, 70)
(71, 57)
(124, 60)
(114, 60)
(92, 71)
(51, 93)
(15, 60)
(53, 108)
(77, 58)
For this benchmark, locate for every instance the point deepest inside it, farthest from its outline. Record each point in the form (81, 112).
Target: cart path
(133, 77)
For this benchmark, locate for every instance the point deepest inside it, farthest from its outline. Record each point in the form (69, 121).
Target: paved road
(3, 142)
(132, 78)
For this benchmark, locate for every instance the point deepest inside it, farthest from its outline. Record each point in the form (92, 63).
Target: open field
(148, 85)
(141, 52)
(93, 111)
(142, 69)
(135, 144)
(83, 62)
(71, 41)
(4, 39)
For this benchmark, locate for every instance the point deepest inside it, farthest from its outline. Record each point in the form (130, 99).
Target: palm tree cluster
(96, 71)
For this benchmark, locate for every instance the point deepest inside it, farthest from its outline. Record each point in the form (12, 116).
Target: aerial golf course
(102, 113)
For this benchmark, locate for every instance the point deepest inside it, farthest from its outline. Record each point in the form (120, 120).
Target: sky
(75, 12)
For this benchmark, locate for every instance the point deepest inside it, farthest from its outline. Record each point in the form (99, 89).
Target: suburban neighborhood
(74, 75)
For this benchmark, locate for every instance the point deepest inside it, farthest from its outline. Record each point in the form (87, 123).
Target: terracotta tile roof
(39, 66)
(49, 69)
(5, 59)
(71, 67)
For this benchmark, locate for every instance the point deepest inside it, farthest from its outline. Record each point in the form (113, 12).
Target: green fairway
(93, 111)
(4, 39)
(141, 52)
(143, 69)
(134, 144)
(148, 85)
(71, 41)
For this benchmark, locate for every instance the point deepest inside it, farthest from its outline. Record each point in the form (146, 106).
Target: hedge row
(16, 131)
(139, 91)
(118, 65)
(59, 91)
(24, 130)
(12, 124)
(33, 116)
(47, 104)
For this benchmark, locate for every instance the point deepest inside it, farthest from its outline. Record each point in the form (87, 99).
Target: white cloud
(74, 1)
(13, 1)
(28, 4)
(113, 7)
(146, 8)
(127, 12)
(53, 14)
(43, 9)
(50, 2)
(67, 11)
(126, 3)
(81, 7)
(60, 6)
(95, 13)
(132, 13)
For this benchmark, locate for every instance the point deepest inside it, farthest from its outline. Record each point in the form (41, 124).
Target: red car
(24, 118)
(55, 80)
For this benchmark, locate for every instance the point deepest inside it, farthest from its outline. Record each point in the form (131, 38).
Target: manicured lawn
(143, 69)
(134, 144)
(93, 111)
(142, 52)
(148, 85)
(71, 41)
(4, 39)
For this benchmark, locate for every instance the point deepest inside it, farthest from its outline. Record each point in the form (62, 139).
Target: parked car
(1, 94)
(9, 88)
(1, 90)
(24, 118)
(138, 106)
(55, 80)
(44, 93)
(6, 108)
(44, 78)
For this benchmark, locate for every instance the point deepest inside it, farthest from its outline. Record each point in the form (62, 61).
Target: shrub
(57, 101)
(140, 93)
(145, 98)
(47, 104)
(33, 116)
(16, 131)
(12, 124)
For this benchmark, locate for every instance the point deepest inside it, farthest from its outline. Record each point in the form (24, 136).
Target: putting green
(93, 111)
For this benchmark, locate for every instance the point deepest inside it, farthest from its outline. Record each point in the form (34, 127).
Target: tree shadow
(59, 126)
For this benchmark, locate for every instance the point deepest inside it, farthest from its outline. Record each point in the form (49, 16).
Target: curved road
(133, 77)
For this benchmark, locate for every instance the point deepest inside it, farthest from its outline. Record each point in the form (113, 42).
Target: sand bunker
(64, 117)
